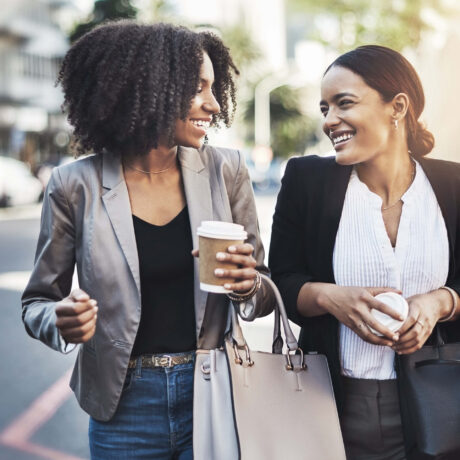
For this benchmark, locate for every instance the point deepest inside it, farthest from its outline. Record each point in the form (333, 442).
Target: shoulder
(219, 156)
(79, 168)
(80, 171)
(441, 171)
(312, 167)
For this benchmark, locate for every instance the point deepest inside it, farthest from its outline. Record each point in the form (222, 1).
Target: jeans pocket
(129, 379)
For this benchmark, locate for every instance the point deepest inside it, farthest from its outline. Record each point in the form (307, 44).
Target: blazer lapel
(199, 201)
(334, 188)
(118, 206)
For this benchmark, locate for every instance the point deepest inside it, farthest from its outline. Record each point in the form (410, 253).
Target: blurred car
(17, 184)
(265, 177)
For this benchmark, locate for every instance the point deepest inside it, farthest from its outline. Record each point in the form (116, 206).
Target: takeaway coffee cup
(396, 302)
(216, 237)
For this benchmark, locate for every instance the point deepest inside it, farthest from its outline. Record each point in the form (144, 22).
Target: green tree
(393, 23)
(290, 130)
(104, 10)
(245, 53)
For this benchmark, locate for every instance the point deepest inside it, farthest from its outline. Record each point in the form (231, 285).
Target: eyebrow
(205, 80)
(337, 96)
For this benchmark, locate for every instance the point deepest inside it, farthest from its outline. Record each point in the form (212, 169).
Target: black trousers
(371, 420)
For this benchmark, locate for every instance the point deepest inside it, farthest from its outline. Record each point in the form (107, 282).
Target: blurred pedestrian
(377, 217)
(141, 97)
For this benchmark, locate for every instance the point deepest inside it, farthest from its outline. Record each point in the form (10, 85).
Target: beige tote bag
(253, 405)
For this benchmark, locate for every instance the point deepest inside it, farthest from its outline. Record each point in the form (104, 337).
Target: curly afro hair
(125, 84)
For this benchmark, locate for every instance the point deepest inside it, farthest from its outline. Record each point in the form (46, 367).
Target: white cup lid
(395, 301)
(221, 230)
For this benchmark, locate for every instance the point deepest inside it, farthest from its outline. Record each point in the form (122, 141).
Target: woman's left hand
(421, 320)
(244, 273)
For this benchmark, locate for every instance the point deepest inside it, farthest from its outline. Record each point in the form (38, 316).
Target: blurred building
(265, 19)
(32, 46)
(437, 61)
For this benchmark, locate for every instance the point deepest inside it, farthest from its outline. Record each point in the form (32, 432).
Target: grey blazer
(87, 221)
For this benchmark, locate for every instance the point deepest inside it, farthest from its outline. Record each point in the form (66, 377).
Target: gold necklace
(150, 172)
(411, 180)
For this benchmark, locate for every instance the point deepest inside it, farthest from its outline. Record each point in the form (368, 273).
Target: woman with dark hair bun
(141, 98)
(378, 218)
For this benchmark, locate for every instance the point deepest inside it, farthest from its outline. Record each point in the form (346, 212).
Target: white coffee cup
(214, 237)
(395, 301)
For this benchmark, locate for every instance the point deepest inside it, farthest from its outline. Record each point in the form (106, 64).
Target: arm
(251, 254)
(287, 246)
(44, 301)
(304, 296)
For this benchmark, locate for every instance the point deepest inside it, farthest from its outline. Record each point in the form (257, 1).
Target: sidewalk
(32, 211)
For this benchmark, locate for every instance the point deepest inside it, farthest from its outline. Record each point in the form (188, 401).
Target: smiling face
(191, 131)
(356, 118)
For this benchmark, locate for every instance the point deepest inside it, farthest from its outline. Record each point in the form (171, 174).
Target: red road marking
(18, 433)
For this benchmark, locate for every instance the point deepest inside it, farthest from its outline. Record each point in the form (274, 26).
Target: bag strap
(280, 316)
(280, 312)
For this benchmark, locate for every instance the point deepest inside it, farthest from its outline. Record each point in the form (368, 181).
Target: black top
(305, 224)
(166, 270)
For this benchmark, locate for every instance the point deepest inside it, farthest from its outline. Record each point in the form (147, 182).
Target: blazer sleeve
(287, 260)
(51, 278)
(454, 277)
(244, 213)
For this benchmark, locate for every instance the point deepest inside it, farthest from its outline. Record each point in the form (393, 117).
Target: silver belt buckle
(165, 361)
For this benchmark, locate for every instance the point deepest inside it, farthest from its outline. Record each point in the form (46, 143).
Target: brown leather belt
(162, 360)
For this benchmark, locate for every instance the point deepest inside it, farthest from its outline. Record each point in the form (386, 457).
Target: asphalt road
(28, 427)
(39, 416)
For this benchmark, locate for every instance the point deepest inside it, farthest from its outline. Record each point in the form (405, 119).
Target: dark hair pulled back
(390, 73)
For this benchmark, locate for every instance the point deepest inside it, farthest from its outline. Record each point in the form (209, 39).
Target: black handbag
(429, 394)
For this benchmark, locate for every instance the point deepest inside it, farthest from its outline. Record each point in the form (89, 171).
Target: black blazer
(305, 225)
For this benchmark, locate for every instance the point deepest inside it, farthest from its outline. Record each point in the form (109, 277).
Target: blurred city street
(39, 416)
(278, 117)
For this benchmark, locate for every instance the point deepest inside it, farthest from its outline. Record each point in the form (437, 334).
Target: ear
(400, 105)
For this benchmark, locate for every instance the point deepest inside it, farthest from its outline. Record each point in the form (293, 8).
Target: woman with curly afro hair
(140, 99)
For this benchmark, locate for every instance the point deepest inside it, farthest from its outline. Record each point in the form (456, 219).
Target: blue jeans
(153, 419)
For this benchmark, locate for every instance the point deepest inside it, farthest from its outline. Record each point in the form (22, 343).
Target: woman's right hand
(352, 306)
(76, 317)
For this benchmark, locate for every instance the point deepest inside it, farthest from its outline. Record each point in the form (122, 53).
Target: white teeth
(343, 137)
(201, 123)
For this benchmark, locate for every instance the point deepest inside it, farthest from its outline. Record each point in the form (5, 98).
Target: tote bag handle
(280, 317)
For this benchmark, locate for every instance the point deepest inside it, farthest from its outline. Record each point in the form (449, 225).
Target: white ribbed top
(363, 256)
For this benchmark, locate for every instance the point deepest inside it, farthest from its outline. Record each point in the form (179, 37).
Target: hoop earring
(396, 123)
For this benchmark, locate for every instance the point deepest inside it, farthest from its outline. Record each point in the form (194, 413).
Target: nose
(211, 105)
(331, 121)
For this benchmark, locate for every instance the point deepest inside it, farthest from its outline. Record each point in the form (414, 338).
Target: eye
(345, 102)
(199, 89)
(324, 110)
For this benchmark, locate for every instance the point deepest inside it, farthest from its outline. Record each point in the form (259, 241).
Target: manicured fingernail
(218, 272)
(227, 286)
(395, 337)
(220, 256)
(232, 248)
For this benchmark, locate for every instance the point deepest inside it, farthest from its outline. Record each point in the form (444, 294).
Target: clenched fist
(76, 317)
